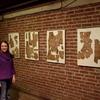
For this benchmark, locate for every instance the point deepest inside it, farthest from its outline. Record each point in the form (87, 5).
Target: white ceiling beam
(51, 6)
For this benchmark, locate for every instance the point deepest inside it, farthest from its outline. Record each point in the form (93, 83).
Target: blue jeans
(5, 85)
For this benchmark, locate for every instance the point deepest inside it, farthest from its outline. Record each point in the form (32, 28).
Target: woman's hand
(13, 79)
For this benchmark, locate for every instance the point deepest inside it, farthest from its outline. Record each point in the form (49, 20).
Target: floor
(18, 95)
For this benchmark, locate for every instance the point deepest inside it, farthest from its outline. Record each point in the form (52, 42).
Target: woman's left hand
(13, 79)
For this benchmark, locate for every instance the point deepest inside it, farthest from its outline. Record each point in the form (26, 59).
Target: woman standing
(7, 71)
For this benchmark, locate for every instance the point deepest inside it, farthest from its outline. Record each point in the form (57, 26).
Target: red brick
(51, 80)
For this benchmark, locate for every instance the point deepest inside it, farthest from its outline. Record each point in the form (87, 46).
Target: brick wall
(50, 80)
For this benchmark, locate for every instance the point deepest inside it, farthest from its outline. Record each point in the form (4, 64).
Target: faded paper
(13, 39)
(31, 46)
(88, 43)
(56, 46)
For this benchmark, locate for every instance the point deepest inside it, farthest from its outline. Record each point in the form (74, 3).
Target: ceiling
(9, 5)
(13, 5)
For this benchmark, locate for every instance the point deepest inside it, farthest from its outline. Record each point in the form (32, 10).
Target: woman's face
(4, 47)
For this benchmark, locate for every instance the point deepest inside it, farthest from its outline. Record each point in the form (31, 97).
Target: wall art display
(31, 46)
(56, 46)
(88, 43)
(13, 39)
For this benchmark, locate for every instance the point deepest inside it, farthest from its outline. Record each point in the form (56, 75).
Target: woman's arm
(13, 70)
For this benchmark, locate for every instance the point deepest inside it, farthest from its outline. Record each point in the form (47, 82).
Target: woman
(7, 71)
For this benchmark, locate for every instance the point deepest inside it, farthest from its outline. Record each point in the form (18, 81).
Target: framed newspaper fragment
(88, 43)
(31, 46)
(13, 39)
(56, 46)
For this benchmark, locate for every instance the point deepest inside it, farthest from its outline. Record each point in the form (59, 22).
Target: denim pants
(5, 85)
